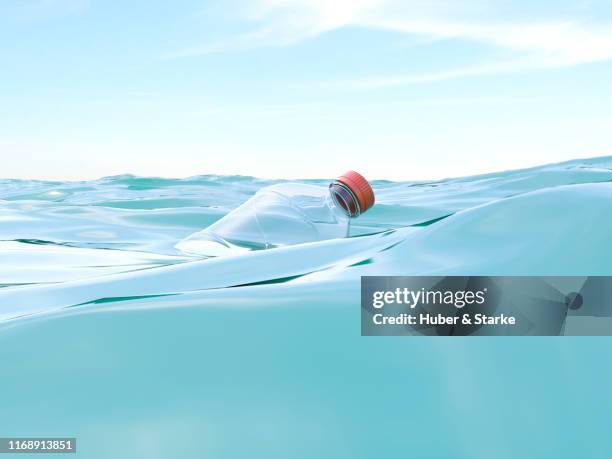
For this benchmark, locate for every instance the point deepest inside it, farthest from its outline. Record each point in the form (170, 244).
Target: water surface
(110, 334)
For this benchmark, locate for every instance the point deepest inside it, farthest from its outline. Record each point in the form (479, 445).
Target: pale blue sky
(403, 90)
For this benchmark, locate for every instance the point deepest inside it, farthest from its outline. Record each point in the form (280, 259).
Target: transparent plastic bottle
(285, 214)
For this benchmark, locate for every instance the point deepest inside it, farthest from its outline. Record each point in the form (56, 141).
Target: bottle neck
(344, 198)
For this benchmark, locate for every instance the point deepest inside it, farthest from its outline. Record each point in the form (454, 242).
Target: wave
(91, 244)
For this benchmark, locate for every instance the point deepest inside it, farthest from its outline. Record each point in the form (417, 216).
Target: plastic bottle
(285, 214)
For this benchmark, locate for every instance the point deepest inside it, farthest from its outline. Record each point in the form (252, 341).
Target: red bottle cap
(360, 188)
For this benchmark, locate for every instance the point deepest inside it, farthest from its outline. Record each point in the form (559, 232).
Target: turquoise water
(111, 335)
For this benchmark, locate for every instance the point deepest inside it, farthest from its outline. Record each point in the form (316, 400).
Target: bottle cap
(360, 187)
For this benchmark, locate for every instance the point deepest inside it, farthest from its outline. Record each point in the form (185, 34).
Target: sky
(400, 90)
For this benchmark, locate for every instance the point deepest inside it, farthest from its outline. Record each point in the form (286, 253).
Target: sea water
(111, 335)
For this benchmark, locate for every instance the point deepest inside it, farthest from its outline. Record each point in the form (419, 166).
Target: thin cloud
(404, 80)
(565, 42)
(546, 43)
